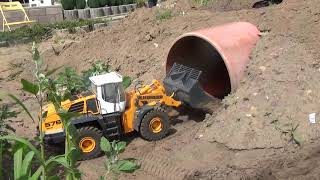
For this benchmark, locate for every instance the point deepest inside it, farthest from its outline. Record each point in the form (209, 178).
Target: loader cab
(109, 92)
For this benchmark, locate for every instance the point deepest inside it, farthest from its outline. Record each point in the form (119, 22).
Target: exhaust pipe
(221, 53)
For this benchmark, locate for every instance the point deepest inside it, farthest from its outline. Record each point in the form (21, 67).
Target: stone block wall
(46, 14)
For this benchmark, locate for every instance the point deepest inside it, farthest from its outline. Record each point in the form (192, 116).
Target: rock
(4, 44)
(84, 13)
(115, 10)
(96, 12)
(107, 11)
(122, 9)
(70, 14)
(99, 25)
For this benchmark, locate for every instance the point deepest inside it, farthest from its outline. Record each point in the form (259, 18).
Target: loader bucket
(183, 82)
(221, 53)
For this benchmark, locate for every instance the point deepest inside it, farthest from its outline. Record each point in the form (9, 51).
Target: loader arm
(147, 96)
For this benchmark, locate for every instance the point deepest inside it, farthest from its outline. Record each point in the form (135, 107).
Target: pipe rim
(215, 46)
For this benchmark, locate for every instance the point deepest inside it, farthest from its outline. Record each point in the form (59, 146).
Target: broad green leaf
(296, 138)
(58, 160)
(120, 146)
(105, 145)
(25, 142)
(76, 174)
(126, 82)
(22, 105)
(37, 174)
(74, 154)
(17, 163)
(72, 130)
(113, 144)
(26, 164)
(30, 87)
(127, 166)
(35, 52)
(73, 133)
(66, 116)
(52, 71)
(53, 178)
(50, 165)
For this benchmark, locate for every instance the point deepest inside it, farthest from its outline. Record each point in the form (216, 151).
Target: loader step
(112, 125)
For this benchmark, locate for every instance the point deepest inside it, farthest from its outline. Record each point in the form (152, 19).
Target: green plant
(37, 32)
(69, 82)
(5, 113)
(164, 14)
(126, 82)
(113, 3)
(5, 128)
(93, 3)
(290, 130)
(68, 4)
(27, 155)
(129, 1)
(140, 3)
(202, 2)
(81, 4)
(103, 3)
(112, 163)
(96, 68)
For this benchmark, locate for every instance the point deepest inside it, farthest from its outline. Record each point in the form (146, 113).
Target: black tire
(146, 131)
(93, 133)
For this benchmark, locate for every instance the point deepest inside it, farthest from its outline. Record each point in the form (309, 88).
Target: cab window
(111, 92)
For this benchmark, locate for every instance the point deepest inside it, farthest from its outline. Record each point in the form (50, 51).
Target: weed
(140, 3)
(69, 82)
(96, 68)
(113, 164)
(290, 130)
(202, 2)
(5, 113)
(38, 32)
(16, 69)
(58, 40)
(164, 14)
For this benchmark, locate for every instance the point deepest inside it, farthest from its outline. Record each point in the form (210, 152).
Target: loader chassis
(109, 111)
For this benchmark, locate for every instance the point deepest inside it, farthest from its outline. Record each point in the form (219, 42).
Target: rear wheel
(89, 142)
(155, 125)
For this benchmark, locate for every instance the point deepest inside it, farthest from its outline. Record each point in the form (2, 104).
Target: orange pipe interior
(195, 52)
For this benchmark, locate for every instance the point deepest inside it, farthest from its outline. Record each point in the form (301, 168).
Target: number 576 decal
(50, 125)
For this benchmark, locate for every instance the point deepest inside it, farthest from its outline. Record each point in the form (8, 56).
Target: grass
(38, 32)
(164, 14)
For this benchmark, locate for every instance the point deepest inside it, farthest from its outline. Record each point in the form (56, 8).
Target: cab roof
(107, 78)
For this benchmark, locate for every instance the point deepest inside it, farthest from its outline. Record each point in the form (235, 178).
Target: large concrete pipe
(221, 53)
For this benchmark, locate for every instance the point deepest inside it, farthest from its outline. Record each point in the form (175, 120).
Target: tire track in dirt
(163, 168)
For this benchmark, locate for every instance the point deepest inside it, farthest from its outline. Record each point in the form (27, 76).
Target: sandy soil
(244, 138)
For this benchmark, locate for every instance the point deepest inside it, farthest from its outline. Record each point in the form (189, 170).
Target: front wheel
(89, 142)
(155, 125)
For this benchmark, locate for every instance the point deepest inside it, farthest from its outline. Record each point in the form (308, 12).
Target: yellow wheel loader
(110, 111)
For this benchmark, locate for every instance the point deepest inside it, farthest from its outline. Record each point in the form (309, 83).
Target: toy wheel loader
(109, 111)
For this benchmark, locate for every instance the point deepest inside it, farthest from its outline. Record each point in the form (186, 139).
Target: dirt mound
(228, 5)
(280, 89)
(254, 127)
(284, 61)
